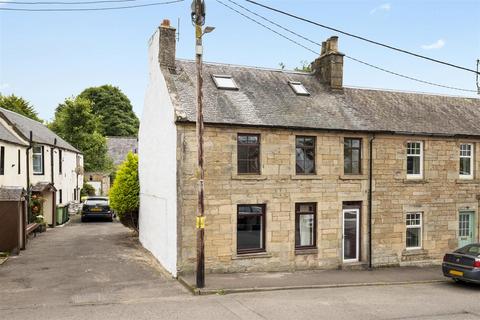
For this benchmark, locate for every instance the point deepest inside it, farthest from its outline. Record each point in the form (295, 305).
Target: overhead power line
(316, 43)
(267, 27)
(362, 38)
(64, 3)
(93, 9)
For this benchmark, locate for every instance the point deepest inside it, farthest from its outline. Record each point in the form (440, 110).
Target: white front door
(351, 219)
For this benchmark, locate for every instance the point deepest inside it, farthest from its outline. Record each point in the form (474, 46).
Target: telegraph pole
(478, 76)
(198, 18)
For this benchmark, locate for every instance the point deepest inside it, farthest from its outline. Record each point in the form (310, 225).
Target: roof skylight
(298, 88)
(224, 82)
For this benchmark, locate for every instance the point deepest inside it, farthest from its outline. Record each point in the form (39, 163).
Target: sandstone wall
(440, 195)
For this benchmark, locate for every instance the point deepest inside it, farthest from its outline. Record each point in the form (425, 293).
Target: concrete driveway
(98, 271)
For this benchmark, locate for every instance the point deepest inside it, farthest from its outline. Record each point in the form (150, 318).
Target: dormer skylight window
(224, 82)
(298, 88)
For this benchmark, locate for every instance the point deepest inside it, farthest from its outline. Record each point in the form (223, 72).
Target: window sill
(415, 180)
(353, 177)
(305, 177)
(300, 252)
(414, 252)
(467, 180)
(248, 177)
(240, 256)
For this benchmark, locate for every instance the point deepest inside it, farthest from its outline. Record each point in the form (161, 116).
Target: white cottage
(35, 158)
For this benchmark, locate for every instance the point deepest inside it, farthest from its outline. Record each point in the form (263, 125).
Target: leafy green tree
(19, 105)
(114, 110)
(125, 192)
(75, 122)
(87, 190)
(304, 67)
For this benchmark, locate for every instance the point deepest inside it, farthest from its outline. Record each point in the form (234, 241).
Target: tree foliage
(19, 105)
(125, 192)
(113, 109)
(87, 190)
(75, 122)
(304, 67)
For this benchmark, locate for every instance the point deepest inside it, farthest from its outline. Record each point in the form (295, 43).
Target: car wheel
(83, 219)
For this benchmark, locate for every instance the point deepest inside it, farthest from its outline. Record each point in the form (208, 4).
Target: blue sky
(46, 57)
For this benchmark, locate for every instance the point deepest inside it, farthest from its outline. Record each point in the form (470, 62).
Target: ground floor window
(414, 230)
(251, 228)
(305, 225)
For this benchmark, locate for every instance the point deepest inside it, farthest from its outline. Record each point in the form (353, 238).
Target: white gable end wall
(158, 167)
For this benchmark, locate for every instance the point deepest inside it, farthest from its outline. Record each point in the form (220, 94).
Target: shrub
(87, 190)
(125, 192)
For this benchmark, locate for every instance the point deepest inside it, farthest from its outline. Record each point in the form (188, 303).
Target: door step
(354, 266)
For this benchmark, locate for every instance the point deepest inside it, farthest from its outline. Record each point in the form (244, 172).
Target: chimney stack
(166, 54)
(328, 68)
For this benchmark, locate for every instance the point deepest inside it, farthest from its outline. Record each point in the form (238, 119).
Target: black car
(97, 208)
(463, 264)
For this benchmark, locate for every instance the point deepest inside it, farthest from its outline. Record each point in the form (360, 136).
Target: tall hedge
(125, 192)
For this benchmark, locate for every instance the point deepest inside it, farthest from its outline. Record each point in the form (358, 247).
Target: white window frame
(298, 88)
(223, 76)
(416, 226)
(419, 175)
(472, 162)
(42, 160)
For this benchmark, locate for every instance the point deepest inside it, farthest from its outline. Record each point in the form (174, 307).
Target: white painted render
(65, 181)
(11, 178)
(157, 167)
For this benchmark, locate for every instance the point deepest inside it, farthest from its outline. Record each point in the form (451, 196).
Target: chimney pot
(324, 48)
(165, 23)
(333, 41)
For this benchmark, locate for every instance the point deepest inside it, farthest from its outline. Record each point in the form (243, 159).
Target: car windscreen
(96, 202)
(472, 250)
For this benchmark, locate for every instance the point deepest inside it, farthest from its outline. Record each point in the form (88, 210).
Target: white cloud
(440, 43)
(383, 7)
(4, 86)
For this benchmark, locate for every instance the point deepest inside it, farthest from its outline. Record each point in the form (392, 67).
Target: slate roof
(265, 98)
(8, 136)
(43, 186)
(41, 134)
(12, 193)
(119, 147)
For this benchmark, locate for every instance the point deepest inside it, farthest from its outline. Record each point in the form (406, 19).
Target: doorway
(351, 235)
(466, 228)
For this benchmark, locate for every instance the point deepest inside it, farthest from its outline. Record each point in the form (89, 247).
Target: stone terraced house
(302, 172)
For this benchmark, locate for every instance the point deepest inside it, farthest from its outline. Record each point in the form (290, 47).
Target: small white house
(35, 158)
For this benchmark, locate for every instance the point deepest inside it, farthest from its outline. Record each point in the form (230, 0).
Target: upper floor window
(19, 164)
(352, 156)
(248, 153)
(60, 160)
(305, 155)
(414, 230)
(38, 160)
(2, 161)
(466, 161)
(414, 159)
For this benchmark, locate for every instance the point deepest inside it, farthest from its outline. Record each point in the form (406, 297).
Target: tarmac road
(98, 271)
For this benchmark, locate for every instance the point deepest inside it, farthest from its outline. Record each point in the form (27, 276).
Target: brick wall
(439, 196)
